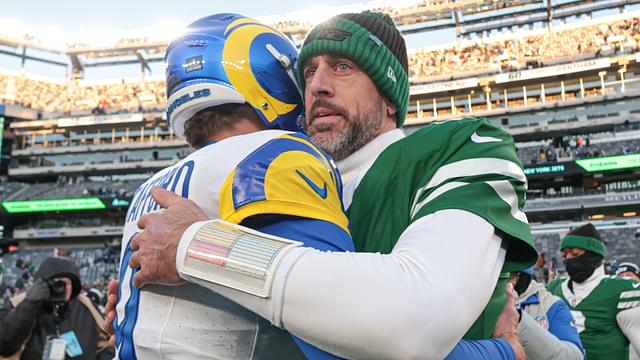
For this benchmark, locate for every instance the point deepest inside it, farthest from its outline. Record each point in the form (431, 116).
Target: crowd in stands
(575, 147)
(526, 51)
(110, 159)
(67, 188)
(73, 188)
(8, 188)
(96, 99)
(462, 57)
(579, 191)
(421, 11)
(57, 223)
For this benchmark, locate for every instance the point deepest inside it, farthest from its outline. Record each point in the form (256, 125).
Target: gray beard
(359, 132)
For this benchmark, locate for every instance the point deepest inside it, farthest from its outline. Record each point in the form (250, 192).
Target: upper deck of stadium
(614, 38)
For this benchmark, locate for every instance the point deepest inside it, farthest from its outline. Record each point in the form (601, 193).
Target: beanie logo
(375, 40)
(390, 74)
(329, 34)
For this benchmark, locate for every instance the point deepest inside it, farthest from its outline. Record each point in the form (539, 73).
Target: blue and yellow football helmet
(230, 58)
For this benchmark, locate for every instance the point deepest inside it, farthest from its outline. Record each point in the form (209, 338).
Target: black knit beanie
(372, 41)
(586, 237)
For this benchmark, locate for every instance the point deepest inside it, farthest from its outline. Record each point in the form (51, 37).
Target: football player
(606, 308)
(547, 329)
(232, 96)
(628, 270)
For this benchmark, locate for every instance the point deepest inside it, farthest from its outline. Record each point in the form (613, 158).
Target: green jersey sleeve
(629, 295)
(482, 174)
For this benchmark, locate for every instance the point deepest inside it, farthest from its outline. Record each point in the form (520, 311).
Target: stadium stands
(54, 96)
(579, 146)
(523, 50)
(124, 189)
(488, 55)
(8, 188)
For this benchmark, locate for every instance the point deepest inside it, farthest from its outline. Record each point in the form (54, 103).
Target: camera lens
(57, 290)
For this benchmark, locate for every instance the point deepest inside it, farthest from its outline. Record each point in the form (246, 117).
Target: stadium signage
(555, 70)
(119, 202)
(610, 163)
(98, 120)
(443, 86)
(32, 206)
(545, 169)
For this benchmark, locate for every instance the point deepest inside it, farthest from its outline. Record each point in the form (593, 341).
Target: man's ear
(391, 109)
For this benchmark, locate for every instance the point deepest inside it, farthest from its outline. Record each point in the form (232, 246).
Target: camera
(57, 290)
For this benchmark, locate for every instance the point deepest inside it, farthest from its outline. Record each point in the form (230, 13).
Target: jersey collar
(206, 143)
(360, 161)
(355, 166)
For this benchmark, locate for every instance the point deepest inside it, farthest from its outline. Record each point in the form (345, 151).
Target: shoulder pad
(288, 175)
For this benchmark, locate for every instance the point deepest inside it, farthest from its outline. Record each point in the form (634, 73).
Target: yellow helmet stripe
(236, 56)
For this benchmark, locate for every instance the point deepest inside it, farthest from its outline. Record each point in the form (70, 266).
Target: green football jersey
(595, 315)
(464, 164)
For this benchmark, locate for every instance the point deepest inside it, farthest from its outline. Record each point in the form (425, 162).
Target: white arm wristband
(232, 255)
(268, 308)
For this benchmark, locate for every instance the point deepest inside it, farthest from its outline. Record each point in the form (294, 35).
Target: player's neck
(359, 162)
(242, 127)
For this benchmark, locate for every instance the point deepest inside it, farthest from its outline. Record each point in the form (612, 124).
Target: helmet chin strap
(286, 63)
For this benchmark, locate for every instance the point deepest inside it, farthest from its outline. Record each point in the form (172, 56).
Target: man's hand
(110, 310)
(507, 325)
(155, 247)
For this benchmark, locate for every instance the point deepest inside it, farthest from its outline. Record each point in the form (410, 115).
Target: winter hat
(372, 41)
(586, 237)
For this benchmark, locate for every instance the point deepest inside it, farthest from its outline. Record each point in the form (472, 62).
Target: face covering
(581, 267)
(524, 280)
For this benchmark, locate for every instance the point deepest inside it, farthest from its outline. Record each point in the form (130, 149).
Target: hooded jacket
(33, 321)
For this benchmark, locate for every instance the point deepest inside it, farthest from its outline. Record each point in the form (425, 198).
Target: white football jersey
(233, 179)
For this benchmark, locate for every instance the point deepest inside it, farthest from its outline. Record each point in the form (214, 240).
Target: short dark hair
(209, 121)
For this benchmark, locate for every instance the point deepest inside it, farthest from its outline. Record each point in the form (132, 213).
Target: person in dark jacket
(53, 307)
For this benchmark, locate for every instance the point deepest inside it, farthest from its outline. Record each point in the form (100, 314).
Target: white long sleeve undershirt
(416, 302)
(629, 323)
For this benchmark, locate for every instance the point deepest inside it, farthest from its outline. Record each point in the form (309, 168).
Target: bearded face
(344, 108)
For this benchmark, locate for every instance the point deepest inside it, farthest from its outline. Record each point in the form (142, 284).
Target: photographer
(51, 310)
